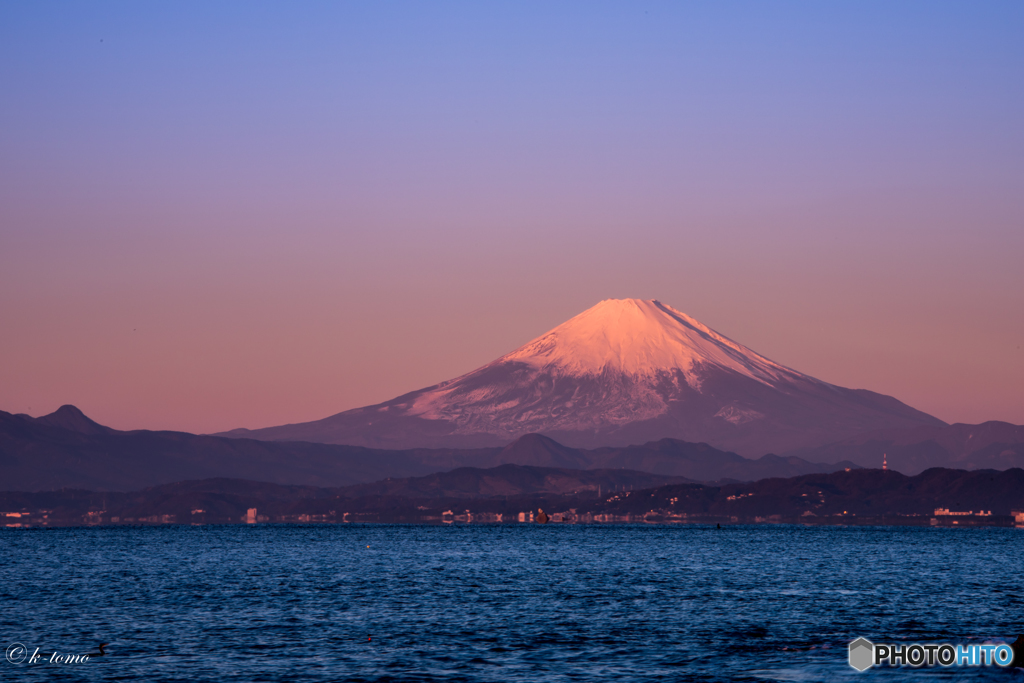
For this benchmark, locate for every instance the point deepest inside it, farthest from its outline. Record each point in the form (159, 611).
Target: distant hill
(510, 480)
(696, 461)
(855, 493)
(72, 419)
(990, 445)
(67, 449)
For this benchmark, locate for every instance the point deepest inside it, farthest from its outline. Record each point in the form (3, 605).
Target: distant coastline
(937, 497)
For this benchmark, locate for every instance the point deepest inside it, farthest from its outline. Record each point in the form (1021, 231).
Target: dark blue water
(501, 602)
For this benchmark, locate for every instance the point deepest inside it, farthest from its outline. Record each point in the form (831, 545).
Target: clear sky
(218, 215)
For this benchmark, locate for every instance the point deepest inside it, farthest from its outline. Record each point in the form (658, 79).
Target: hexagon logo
(862, 654)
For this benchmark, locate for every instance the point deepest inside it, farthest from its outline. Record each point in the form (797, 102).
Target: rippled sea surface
(501, 602)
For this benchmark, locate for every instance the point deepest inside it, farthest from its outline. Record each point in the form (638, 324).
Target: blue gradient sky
(247, 214)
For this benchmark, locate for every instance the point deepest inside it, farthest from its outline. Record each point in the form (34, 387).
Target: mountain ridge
(36, 455)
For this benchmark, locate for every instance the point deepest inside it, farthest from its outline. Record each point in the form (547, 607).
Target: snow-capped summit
(624, 371)
(620, 361)
(641, 338)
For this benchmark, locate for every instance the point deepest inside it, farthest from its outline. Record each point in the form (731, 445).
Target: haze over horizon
(249, 215)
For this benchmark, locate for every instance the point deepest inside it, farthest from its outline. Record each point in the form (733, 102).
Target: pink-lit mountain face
(625, 371)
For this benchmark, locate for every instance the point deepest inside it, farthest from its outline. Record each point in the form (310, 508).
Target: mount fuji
(625, 371)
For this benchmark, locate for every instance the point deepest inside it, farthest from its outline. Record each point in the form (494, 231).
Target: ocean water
(501, 602)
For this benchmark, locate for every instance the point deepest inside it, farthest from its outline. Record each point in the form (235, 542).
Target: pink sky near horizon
(247, 216)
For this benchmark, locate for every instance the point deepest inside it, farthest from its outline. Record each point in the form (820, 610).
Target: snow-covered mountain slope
(640, 338)
(625, 371)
